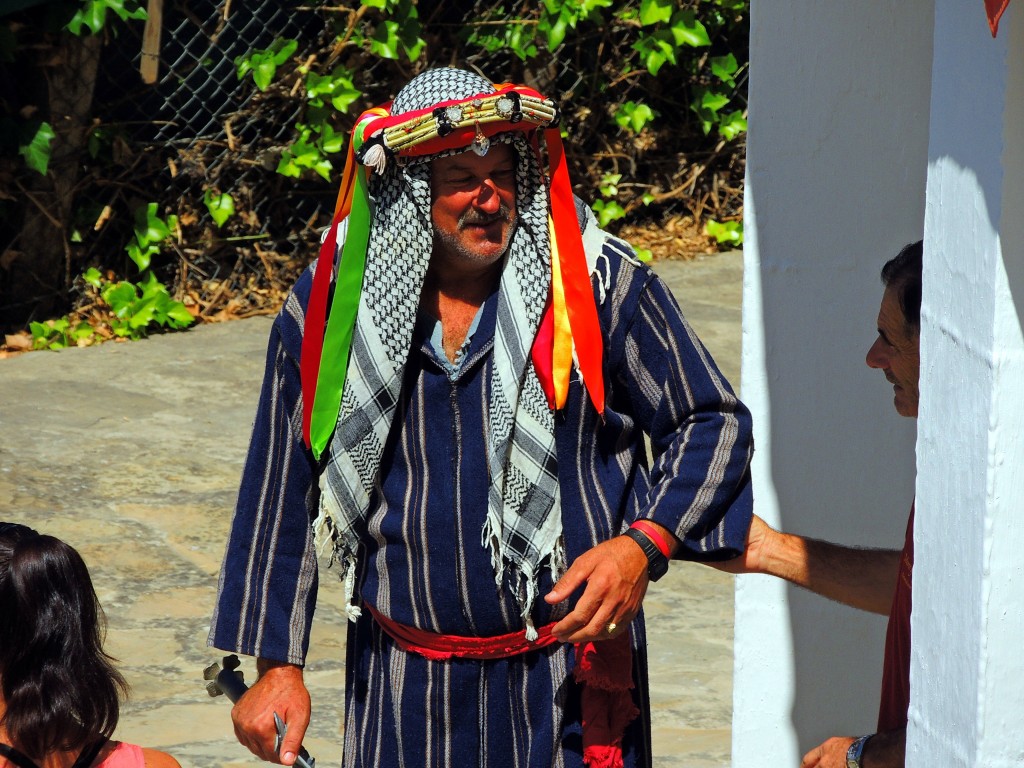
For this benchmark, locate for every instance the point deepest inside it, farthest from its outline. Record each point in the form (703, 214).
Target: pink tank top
(124, 755)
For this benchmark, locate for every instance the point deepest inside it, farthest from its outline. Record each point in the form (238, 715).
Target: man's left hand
(615, 572)
(830, 754)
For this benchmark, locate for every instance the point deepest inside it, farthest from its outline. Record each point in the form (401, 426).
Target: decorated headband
(379, 138)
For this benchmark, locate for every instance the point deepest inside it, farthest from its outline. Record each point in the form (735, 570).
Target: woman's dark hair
(60, 688)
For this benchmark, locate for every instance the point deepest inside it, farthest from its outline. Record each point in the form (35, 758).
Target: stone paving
(132, 453)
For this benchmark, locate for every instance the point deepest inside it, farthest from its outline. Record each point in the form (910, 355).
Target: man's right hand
(279, 689)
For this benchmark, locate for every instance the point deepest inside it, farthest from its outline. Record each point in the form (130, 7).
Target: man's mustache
(473, 218)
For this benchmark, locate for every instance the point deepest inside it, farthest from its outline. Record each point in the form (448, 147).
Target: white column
(967, 670)
(836, 168)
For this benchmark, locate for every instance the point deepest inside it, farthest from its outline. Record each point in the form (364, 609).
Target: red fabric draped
(995, 9)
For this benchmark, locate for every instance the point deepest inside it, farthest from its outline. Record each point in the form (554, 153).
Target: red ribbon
(995, 10)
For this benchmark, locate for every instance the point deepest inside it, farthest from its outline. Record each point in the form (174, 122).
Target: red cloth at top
(994, 9)
(892, 712)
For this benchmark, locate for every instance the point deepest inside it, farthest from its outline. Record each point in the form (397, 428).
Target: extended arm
(268, 581)
(862, 578)
(883, 750)
(698, 490)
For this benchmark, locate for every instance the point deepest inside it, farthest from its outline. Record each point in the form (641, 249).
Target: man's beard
(452, 244)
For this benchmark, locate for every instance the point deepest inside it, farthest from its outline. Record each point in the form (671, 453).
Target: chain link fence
(198, 129)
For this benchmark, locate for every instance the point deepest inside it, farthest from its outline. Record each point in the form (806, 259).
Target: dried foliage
(207, 145)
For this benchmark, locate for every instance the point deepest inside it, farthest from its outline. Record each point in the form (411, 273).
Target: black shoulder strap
(88, 754)
(16, 757)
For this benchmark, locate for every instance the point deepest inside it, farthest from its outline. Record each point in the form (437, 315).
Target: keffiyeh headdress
(353, 356)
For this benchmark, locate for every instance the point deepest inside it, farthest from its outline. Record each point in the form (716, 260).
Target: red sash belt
(438, 647)
(603, 670)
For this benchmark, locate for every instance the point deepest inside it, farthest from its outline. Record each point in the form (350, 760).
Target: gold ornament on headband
(501, 107)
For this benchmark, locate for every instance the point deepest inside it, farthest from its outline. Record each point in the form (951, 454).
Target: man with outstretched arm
(455, 407)
(875, 580)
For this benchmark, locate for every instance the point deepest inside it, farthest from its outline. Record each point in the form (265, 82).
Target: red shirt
(892, 713)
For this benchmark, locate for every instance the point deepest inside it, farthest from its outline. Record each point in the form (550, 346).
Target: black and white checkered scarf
(523, 528)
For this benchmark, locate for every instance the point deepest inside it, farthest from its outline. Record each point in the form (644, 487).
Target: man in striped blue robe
(464, 510)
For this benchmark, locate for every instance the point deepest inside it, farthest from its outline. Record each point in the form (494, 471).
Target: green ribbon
(341, 321)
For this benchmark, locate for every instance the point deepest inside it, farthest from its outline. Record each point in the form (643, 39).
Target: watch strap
(653, 534)
(856, 750)
(657, 563)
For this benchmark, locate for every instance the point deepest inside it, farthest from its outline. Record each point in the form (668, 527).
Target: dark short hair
(903, 274)
(61, 690)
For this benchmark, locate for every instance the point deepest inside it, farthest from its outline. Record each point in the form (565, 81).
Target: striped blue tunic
(423, 562)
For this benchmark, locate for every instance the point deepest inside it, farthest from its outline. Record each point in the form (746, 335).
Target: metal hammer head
(229, 664)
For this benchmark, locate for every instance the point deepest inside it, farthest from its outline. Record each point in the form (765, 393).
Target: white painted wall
(967, 666)
(836, 168)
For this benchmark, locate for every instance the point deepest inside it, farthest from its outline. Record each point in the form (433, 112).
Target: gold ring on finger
(611, 627)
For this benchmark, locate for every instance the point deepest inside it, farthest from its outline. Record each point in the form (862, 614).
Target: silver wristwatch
(855, 751)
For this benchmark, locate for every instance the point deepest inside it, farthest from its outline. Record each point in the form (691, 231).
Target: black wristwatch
(657, 563)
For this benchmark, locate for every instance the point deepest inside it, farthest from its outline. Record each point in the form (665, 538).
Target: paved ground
(132, 453)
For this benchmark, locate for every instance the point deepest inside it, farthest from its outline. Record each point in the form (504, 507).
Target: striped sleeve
(268, 580)
(701, 434)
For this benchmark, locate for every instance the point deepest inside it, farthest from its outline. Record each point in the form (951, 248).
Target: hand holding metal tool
(225, 680)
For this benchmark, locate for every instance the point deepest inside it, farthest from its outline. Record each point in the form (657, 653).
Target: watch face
(657, 567)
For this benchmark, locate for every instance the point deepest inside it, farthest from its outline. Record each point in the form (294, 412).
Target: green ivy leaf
(607, 211)
(713, 100)
(82, 332)
(179, 316)
(149, 227)
(331, 141)
(263, 72)
(263, 63)
(143, 313)
(609, 184)
(119, 297)
(633, 116)
(732, 125)
(93, 14)
(150, 286)
(384, 40)
(381, 4)
(287, 166)
(554, 31)
(415, 48)
(336, 87)
(304, 154)
(687, 30)
(282, 49)
(93, 277)
(37, 151)
(142, 256)
(728, 232)
(655, 11)
(40, 334)
(724, 67)
(656, 49)
(221, 207)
